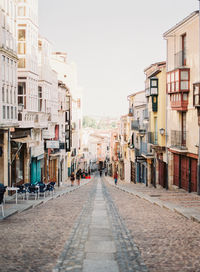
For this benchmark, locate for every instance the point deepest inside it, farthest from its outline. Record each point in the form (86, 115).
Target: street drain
(155, 195)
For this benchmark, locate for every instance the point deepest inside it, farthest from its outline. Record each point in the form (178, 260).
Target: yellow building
(156, 137)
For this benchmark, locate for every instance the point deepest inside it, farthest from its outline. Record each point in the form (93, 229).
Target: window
(4, 112)
(7, 98)
(183, 40)
(22, 94)
(11, 96)
(22, 63)
(3, 94)
(21, 48)
(11, 112)
(3, 67)
(21, 11)
(21, 35)
(8, 112)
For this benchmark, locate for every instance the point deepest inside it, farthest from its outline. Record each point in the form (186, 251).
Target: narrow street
(99, 228)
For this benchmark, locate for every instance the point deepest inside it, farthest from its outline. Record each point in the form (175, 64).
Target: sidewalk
(10, 207)
(178, 200)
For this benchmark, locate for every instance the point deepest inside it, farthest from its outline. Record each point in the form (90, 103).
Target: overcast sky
(111, 42)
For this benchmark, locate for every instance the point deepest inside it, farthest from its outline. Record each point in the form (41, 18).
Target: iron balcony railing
(130, 112)
(135, 125)
(180, 58)
(153, 138)
(137, 152)
(178, 139)
(145, 114)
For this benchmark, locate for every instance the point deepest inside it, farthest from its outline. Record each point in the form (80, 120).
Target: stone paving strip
(100, 241)
(188, 205)
(10, 208)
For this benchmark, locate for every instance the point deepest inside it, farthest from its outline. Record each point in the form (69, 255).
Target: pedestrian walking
(106, 172)
(115, 178)
(78, 177)
(72, 178)
(100, 172)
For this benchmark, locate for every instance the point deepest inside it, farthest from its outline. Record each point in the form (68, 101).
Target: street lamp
(162, 131)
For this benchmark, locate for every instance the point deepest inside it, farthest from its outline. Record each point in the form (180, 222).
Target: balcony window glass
(177, 86)
(21, 35)
(11, 112)
(172, 87)
(4, 112)
(185, 97)
(22, 63)
(3, 94)
(168, 87)
(184, 75)
(21, 11)
(172, 77)
(168, 78)
(177, 75)
(8, 112)
(7, 98)
(21, 48)
(184, 85)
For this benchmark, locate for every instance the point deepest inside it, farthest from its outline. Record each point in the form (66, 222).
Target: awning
(25, 140)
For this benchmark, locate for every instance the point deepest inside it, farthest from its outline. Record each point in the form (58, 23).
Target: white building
(8, 83)
(8, 59)
(68, 75)
(27, 42)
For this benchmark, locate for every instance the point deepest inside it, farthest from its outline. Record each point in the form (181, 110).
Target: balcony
(178, 139)
(137, 152)
(146, 149)
(178, 86)
(180, 59)
(153, 138)
(130, 112)
(134, 125)
(145, 114)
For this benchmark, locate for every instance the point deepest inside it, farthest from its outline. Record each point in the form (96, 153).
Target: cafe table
(9, 189)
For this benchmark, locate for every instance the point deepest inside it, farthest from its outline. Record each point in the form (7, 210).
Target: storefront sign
(52, 144)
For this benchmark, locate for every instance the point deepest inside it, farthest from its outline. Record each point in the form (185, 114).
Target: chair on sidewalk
(2, 191)
(50, 188)
(33, 190)
(22, 191)
(42, 189)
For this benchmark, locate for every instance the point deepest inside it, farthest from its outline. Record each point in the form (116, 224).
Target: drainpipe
(198, 166)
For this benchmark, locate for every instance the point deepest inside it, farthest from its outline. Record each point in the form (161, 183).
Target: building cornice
(186, 19)
(9, 53)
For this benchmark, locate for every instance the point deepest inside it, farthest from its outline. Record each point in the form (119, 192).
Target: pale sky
(111, 42)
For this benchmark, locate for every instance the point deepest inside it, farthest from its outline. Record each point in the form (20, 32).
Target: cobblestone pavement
(33, 240)
(100, 241)
(167, 241)
(99, 228)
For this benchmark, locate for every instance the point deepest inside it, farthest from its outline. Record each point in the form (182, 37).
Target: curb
(193, 215)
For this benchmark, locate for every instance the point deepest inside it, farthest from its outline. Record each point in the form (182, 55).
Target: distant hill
(99, 122)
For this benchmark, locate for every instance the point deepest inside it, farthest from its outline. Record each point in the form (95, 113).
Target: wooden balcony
(178, 87)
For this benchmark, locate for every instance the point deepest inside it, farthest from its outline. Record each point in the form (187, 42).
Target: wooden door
(176, 169)
(184, 173)
(162, 173)
(193, 175)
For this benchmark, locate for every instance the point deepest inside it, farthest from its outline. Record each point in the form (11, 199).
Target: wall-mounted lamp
(162, 131)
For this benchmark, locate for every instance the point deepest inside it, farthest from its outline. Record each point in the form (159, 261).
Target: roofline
(181, 22)
(130, 95)
(161, 63)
